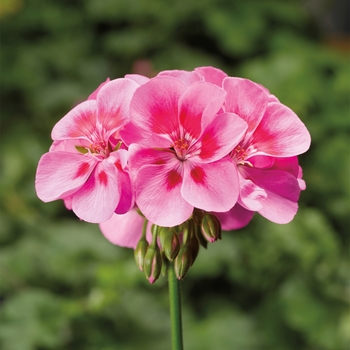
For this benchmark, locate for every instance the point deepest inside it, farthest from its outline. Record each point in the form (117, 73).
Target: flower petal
(250, 196)
(140, 156)
(60, 174)
(246, 99)
(127, 200)
(124, 230)
(282, 190)
(212, 75)
(69, 145)
(235, 218)
(186, 77)
(154, 106)
(221, 136)
(138, 78)
(280, 133)
(113, 102)
(212, 186)
(80, 122)
(198, 106)
(158, 195)
(96, 201)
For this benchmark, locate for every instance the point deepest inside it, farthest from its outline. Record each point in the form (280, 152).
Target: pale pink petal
(137, 78)
(68, 202)
(246, 99)
(272, 98)
(80, 122)
(154, 106)
(94, 94)
(158, 195)
(96, 201)
(212, 75)
(302, 183)
(280, 133)
(124, 230)
(278, 209)
(282, 190)
(186, 77)
(113, 102)
(60, 174)
(221, 136)
(235, 218)
(212, 186)
(198, 107)
(251, 196)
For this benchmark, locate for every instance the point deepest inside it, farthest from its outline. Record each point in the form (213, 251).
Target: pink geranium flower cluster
(173, 143)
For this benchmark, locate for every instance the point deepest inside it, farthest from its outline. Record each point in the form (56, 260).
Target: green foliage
(268, 286)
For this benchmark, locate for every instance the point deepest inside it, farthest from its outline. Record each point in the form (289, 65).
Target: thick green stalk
(175, 309)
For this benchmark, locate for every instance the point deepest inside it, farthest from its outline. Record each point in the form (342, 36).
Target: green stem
(175, 309)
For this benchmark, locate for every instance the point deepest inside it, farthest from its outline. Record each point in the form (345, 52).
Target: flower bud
(171, 245)
(211, 227)
(152, 263)
(183, 261)
(140, 252)
(162, 234)
(194, 247)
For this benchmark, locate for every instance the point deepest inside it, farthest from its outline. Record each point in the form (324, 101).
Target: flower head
(181, 162)
(269, 173)
(87, 164)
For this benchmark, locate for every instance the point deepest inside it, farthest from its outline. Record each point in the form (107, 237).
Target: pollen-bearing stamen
(239, 154)
(181, 146)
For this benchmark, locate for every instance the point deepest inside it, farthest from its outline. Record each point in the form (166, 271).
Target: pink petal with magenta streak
(113, 102)
(246, 99)
(211, 186)
(80, 122)
(96, 201)
(154, 106)
(221, 136)
(158, 195)
(198, 107)
(280, 133)
(60, 174)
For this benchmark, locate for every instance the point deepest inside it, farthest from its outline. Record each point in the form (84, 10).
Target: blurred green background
(268, 286)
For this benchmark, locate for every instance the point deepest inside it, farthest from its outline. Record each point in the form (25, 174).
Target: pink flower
(87, 164)
(182, 161)
(269, 173)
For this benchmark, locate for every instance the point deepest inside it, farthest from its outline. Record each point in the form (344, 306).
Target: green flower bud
(140, 252)
(194, 247)
(162, 234)
(171, 245)
(152, 263)
(211, 227)
(183, 261)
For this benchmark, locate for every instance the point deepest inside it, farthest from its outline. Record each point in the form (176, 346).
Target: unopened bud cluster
(178, 245)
